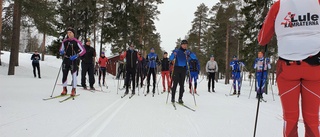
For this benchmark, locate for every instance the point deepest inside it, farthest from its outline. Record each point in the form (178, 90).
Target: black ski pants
(87, 68)
(103, 73)
(130, 74)
(153, 72)
(211, 80)
(140, 75)
(179, 75)
(36, 66)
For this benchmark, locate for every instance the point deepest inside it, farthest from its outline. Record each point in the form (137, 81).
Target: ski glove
(74, 57)
(61, 52)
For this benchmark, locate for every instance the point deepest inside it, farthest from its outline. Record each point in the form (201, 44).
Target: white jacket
(212, 66)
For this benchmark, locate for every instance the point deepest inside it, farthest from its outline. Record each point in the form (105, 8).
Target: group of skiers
(135, 68)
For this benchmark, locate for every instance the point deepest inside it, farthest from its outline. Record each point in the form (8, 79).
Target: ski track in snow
(93, 119)
(107, 121)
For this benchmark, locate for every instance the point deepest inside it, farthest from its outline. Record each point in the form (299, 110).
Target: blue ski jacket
(180, 56)
(152, 59)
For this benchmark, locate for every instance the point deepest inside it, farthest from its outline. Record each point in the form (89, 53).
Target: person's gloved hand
(175, 53)
(72, 58)
(61, 52)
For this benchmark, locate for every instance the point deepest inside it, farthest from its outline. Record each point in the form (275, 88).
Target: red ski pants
(164, 75)
(295, 81)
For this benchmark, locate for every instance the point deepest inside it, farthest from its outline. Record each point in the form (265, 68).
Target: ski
(54, 97)
(131, 96)
(68, 98)
(174, 105)
(261, 99)
(230, 94)
(90, 90)
(124, 95)
(146, 94)
(186, 106)
(195, 94)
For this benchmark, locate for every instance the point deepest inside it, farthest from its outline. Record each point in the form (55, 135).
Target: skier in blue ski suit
(179, 57)
(194, 72)
(236, 67)
(152, 62)
(260, 71)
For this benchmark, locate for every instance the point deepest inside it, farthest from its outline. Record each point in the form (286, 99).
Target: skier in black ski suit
(131, 57)
(35, 63)
(87, 65)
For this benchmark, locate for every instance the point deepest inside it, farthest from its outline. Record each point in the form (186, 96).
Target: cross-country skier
(103, 60)
(87, 65)
(131, 56)
(236, 67)
(194, 73)
(165, 72)
(179, 57)
(140, 70)
(211, 69)
(298, 66)
(260, 71)
(70, 49)
(35, 63)
(152, 61)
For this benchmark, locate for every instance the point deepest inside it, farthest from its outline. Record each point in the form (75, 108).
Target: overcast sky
(175, 19)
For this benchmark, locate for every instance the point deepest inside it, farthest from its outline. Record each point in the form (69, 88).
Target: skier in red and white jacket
(296, 25)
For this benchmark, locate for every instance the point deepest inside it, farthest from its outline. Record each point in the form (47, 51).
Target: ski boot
(195, 91)
(64, 91)
(239, 92)
(92, 88)
(73, 92)
(180, 101)
(234, 92)
(213, 90)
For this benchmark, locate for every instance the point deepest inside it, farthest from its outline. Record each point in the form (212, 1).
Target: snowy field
(23, 113)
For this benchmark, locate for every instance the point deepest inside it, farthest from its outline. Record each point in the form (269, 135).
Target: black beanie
(71, 29)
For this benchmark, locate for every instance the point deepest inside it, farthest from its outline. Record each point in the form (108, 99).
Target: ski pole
(55, 84)
(144, 88)
(158, 82)
(173, 62)
(260, 89)
(201, 79)
(271, 90)
(252, 83)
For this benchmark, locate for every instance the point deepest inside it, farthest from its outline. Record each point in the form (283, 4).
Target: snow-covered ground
(23, 113)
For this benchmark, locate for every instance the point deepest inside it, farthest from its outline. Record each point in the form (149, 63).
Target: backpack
(193, 65)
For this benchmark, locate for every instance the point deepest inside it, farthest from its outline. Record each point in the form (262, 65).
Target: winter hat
(71, 29)
(102, 52)
(165, 53)
(234, 56)
(152, 49)
(184, 42)
(211, 56)
(87, 40)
